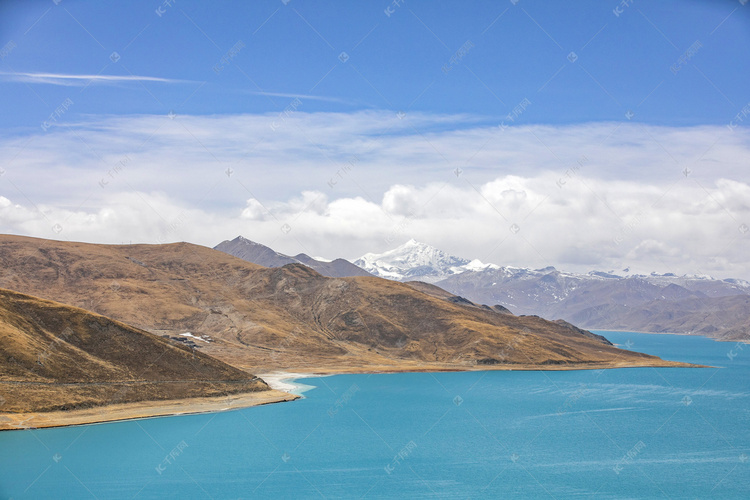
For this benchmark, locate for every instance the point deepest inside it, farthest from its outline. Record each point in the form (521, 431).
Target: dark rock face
(254, 252)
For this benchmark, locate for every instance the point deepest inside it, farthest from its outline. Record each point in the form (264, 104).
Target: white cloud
(68, 80)
(649, 249)
(302, 97)
(255, 210)
(604, 195)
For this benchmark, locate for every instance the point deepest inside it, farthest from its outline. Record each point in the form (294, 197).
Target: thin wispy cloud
(301, 96)
(69, 80)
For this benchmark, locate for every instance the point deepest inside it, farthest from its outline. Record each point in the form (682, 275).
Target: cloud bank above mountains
(580, 197)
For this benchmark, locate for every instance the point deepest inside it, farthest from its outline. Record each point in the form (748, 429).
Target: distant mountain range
(264, 256)
(692, 304)
(651, 303)
(657, 303)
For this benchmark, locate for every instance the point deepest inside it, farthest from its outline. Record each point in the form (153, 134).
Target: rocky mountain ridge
(264, 256)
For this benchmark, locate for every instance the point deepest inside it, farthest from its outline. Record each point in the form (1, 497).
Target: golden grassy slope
(292, 318)
(57, 357)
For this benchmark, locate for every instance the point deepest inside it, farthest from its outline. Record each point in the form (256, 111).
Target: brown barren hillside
(292, 318)
(56, 357)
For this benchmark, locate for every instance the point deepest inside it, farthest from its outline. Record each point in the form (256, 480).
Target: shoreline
(283, 389)
(600, 331)
(141, 410)
(284, 380)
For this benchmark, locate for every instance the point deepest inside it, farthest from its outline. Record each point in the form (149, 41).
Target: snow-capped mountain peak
(416, 261)
(478, 265)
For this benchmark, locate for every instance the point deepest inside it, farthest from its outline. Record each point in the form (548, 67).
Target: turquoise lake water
(627, 433)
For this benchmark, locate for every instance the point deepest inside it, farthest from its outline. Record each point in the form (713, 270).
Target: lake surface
(627, 433)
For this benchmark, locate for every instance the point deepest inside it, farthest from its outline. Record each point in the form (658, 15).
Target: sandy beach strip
(141, 409)
(284, 381)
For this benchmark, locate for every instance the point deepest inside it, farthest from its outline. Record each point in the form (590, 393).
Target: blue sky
(395, 62)
(613, 133)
